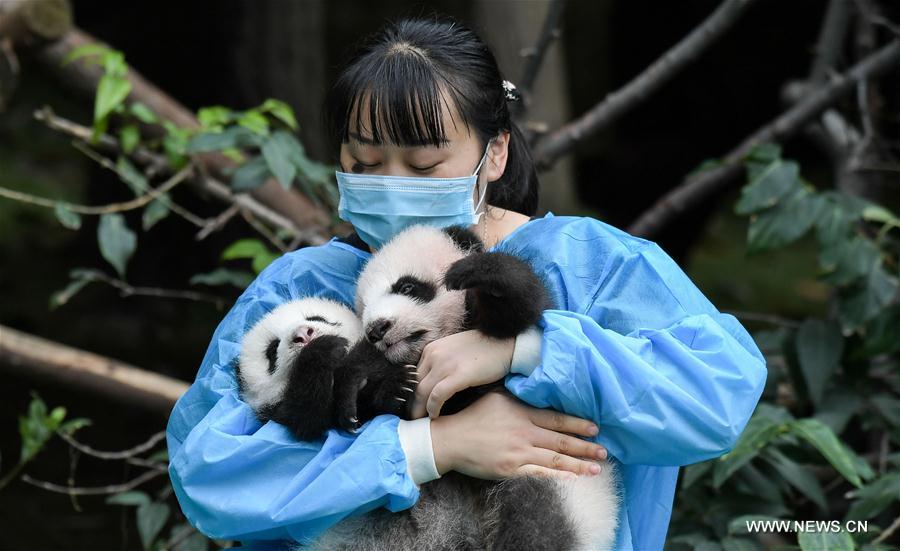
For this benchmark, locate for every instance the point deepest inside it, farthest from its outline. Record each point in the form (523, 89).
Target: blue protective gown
(634, 347)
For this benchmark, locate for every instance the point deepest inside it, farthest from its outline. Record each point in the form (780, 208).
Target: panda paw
(395, 392)
(473, 271)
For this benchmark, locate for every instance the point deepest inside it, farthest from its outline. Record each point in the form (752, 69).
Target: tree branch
(135, 203)
(535, 55)
(33, 355)
(831, 40)
(560, 142)
(205, 184)
(701, 185)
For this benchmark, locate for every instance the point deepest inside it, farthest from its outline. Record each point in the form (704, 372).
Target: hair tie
(512, 94)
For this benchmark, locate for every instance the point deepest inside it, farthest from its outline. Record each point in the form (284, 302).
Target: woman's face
(458, 156)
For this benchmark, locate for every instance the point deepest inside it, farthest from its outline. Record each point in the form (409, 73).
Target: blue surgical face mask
(379, 207)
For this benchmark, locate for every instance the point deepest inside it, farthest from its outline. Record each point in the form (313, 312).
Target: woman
(634, 348)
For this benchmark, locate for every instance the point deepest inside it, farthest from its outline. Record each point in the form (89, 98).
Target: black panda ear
(464, 238)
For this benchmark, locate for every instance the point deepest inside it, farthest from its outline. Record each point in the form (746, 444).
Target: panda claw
(400, 399)
(412, 380)
(407, 389)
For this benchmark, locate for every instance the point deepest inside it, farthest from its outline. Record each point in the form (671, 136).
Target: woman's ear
(498, 153)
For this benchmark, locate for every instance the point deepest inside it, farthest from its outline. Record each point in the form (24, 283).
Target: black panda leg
(505, 296)
(307, 404)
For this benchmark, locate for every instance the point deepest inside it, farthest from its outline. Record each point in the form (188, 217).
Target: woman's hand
(456, 362)
(500, 437)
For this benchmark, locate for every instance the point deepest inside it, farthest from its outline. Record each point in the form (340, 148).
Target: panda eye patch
(323, 320)
(414, 288)
(272, 355)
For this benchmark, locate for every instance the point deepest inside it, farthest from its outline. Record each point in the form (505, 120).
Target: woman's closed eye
(361, 167)
(428, 168)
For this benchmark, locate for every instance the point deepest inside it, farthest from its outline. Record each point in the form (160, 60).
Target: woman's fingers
(440, 393)
(568, 445)
(562, 462)
(560, 422)
(537, 470)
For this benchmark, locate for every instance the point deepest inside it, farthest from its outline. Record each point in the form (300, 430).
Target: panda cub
(424, 284)
(288, 364)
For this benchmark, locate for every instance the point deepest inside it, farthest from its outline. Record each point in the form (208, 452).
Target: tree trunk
(509, 28)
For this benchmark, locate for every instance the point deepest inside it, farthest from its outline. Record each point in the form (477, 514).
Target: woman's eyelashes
(359, 166)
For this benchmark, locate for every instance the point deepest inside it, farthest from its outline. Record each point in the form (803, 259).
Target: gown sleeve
(669, 379)
(238, 479)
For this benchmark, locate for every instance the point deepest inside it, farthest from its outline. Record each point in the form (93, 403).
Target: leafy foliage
(797, 458)
(36, 428)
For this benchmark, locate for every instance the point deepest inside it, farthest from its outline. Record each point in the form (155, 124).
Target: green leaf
(151, 517)
(797, 476)
(281, 111)
(244, 248)
(769, 186)
(847, 260)
(819, 349)
(129, 138)
(866, 298)
(111, 92)
(250, 175)
(131, 176)
(66, 217)
(143, 113)
(823, 439)
(223, 276)
(760, 430)
(256, 122)
(784, 223)
(838, 405)
(278, 152)
(128, 498)
(154, 212)
(874, 498)
(877, 213)
(117, 242)
(88, 50)
(253, 249)
(825, 541)
(233, 137)
(215, 116)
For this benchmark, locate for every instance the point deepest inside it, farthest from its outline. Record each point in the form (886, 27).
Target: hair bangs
(400, 101)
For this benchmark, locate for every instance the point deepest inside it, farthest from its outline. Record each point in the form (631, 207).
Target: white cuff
(415, 439)
(527, 351)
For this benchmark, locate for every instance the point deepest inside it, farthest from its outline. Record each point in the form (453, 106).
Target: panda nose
(377, 330)
(304, 334)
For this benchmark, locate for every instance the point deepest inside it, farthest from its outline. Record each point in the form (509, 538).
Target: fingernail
(593, 430)
(601, 453)
(595, 469)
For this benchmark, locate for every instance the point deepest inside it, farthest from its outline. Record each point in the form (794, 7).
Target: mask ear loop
(482, 196)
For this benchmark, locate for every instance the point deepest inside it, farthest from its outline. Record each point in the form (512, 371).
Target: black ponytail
(405, 70)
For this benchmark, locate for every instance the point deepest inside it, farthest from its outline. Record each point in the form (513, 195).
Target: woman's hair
(407, 71)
